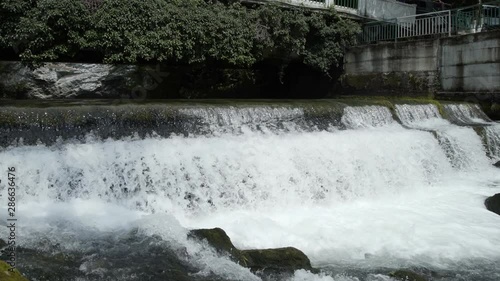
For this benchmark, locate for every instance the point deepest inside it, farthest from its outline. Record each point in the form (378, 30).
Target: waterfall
(492, 139)
(342, 183)
(466, 114)
(366, 117)
(469, 114)
(232, 119)
(461, 144)
(412, 114)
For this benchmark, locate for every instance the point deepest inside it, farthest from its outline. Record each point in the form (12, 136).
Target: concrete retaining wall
(465, 63)
(471, 63)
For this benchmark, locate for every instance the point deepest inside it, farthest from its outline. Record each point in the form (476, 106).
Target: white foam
(367, 117)
(304, 275)
(462, 145)
(384, 191)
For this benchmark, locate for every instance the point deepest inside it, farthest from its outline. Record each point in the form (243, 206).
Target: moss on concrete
(394, 84)
(493, 111)
(360, 82)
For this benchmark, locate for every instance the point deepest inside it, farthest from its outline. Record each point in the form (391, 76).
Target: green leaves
(175, 32)
(328, 36)
(51, 30)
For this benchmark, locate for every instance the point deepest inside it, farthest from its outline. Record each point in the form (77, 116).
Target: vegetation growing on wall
(180, 32)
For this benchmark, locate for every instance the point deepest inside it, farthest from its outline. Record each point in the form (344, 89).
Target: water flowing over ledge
(353, 186)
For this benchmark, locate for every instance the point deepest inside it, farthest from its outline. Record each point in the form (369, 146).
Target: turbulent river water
(361, 190)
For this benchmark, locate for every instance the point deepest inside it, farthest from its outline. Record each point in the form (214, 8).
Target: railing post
(397, 31)
(449, 23)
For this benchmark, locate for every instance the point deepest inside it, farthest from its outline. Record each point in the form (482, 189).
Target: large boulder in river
(406, 275)
(276, 260)
(497, 164)
(493, 203)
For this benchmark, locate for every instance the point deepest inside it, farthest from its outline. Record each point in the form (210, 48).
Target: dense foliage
(173, 31)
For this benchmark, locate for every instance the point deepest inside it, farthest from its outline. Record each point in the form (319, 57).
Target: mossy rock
(493, 203)
(281, 259)
(218, 239)
(7, 275)
(275, 260)
(406, 275)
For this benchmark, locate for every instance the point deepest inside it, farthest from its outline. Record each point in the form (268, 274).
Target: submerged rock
(130, 256)
(10, 275)
(493, 203)
(274, 260)
(406, 275)
(497, 164)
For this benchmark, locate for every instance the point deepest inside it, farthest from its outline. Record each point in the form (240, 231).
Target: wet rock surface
(128, 257)
(271, 261)
(406, 275)
(493, 203)
(66, 80)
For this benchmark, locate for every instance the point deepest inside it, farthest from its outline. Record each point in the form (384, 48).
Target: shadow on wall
(87, 80)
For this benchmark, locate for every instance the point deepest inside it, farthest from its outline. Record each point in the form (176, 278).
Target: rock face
(493, 203)
(66, 80)
(497, 164)
(274, 260)
(406, 275)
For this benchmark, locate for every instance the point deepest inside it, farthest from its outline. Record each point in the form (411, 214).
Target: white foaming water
(367, 117)
(492, 139)
(466, 113)
(232, 119)
(385, 192)
(462, 145)
(412, 115)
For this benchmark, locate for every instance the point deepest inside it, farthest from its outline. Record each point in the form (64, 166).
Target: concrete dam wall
(454, 66)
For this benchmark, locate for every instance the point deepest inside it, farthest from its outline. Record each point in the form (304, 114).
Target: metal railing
(444, 23)
(423, 25)
(352, 4)
(355, 9)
